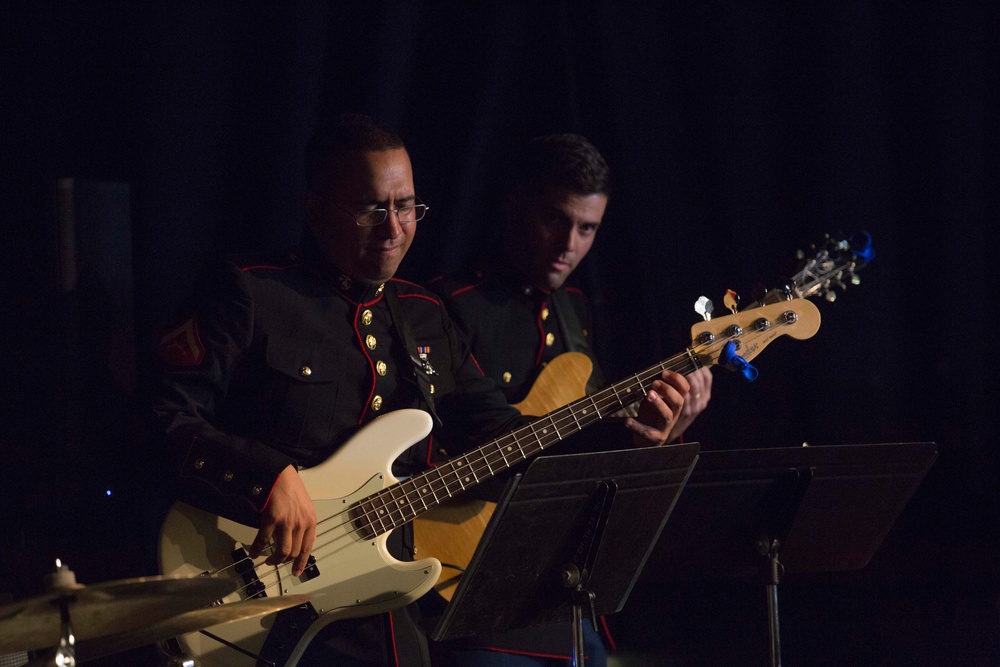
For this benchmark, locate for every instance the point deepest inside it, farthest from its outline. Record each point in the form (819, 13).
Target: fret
(419, 496)
(472, 469)
(458, 476)
(399, 506)
(430, 483)
(489, 468)
(500, 449)
(576, 421)
(447, 482)
(555, 427)
(375, 511)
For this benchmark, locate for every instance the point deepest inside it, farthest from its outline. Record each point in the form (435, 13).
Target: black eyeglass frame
(419, 210)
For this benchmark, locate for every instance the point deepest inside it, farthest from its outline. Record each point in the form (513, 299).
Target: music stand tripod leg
(769, 548)
(576, 574)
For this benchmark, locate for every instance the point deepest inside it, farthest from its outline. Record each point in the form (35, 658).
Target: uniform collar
(357, 291)
(520, 285)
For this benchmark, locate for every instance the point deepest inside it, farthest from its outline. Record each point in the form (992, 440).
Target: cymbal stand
(64, 655)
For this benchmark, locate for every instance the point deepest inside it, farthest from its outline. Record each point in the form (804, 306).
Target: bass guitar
(358, 503)
(451, 532)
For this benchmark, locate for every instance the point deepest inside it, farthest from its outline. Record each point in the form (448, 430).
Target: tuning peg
(731, 300)
(830, 296)
(703, 306)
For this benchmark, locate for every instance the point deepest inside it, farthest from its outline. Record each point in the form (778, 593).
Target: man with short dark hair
(520, 315)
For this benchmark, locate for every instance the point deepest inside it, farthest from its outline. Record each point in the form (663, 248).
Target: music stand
(572, 533)
(821, 509)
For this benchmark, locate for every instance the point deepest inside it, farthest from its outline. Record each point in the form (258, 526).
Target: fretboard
(400, 503)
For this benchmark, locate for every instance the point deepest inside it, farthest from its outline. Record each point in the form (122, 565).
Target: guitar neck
(400, 503)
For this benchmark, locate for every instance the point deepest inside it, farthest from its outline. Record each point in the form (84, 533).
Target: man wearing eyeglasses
(284, 359)
(520, 315)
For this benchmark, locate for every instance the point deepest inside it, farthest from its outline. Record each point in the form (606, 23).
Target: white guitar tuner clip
(703, 306)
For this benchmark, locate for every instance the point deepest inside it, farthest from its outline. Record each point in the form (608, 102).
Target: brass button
(380, 367)
(227, 476)
(256, 490)
(432, 389)
(550, 338)
(366, 317)
(370, 341)
(545, 313)
(199, 464)
(377, 403)
(380, 288)
(305, 371)
(506, 377)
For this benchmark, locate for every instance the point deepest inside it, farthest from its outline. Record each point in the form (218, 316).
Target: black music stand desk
(821, 509)
(570, 535)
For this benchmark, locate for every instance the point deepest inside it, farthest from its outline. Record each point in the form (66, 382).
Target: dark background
(737, 133)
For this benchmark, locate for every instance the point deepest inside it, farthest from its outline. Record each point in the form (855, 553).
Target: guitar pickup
(253, 587)
(311, 571)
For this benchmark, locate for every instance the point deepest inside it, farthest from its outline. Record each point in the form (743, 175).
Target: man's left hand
(659, 411)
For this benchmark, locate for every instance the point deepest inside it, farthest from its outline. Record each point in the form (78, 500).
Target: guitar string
(604, 401)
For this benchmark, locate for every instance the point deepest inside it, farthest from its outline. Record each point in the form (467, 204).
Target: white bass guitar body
(353, 574)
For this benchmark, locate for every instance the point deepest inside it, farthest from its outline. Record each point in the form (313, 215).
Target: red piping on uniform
(420, 296)
(541, 335)
(271, 491)
(400, 280)
(530, 654)
(575, 290)
(265, 266)
(392, 635)
(607, 633)
(476, 362)
(430, 450)
(465, 289)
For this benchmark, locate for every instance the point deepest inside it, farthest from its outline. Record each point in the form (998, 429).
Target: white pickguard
(356, 577)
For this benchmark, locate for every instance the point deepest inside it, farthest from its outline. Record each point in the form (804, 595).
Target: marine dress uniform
(515, 330)
(281, 362)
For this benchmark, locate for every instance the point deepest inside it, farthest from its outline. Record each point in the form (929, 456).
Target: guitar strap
(572, 332)
(422, 370)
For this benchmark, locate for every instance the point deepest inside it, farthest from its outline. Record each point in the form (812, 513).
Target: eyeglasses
(373, 217)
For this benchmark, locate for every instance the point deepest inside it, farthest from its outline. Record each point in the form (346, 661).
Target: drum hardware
(69, 611)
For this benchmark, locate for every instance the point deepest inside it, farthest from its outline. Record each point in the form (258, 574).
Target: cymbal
(104, 609)
(190, 621)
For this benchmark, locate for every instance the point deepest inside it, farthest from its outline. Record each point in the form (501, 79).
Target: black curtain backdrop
(737, 132)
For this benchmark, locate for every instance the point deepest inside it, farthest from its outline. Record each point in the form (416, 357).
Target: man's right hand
(289, 518)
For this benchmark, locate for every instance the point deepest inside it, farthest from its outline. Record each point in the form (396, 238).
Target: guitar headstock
(750, 331)
(831, 265)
